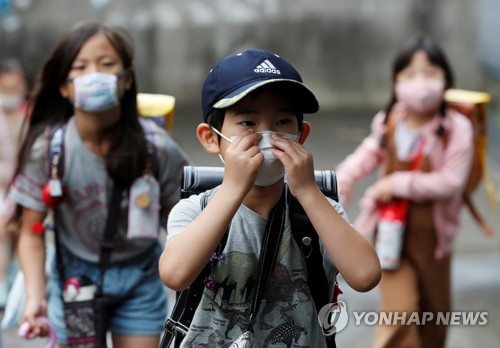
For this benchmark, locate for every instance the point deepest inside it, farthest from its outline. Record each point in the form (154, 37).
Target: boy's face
(262, 112)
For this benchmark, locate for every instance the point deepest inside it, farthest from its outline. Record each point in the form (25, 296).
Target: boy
(253, 104)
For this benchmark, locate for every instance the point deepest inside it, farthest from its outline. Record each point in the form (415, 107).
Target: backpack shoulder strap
(307, 239)
(177, 325)
(56, 151)
(150, 133)
(56, 164)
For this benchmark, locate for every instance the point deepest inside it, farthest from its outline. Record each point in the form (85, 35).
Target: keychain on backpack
(143, 208)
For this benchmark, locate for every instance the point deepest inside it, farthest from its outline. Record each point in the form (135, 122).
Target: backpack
(200, 179)
(158, 107)
(473, 105)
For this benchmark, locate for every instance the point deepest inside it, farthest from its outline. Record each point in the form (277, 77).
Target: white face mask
(9, 102)
(271, 170)
(96, 92)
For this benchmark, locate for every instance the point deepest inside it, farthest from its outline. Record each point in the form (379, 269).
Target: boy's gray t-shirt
(80, 223)
(287, 312)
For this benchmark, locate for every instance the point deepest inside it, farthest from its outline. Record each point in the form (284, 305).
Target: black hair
(126, 159)
(281, 90)
(14, 66)
(436, 56)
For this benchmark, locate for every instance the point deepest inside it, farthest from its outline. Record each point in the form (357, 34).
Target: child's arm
(351, 253)
(31, 251)
(363, 161)
(186, 254)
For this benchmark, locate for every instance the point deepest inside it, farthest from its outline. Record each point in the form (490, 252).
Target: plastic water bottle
(390, 233)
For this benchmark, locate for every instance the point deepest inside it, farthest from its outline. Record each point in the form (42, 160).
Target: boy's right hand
(33, 309)
(242, 160)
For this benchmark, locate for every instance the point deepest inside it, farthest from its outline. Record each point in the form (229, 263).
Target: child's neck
(417, 121)
(262, 199)
(97, 131)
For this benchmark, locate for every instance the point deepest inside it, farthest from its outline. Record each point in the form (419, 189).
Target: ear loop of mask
(223, 136)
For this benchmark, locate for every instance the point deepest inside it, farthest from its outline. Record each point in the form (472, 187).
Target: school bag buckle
(174, 327)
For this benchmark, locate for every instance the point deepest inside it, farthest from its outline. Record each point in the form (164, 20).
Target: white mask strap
(222, 135)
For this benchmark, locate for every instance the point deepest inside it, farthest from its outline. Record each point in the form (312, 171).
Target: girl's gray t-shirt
(287, 312)
(80, 220)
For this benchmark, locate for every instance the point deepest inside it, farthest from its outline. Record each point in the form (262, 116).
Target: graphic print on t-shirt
(227, 303)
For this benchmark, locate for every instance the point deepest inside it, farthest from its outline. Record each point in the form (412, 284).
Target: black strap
(177, 325)
(270, 245)
(110, 231)
(307, 239)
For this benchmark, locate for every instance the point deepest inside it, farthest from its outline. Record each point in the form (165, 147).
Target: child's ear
(208, 138)
(63, 89)
(129, 78)
(306, 129)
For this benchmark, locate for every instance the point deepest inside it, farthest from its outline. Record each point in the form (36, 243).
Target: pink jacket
(444, 184)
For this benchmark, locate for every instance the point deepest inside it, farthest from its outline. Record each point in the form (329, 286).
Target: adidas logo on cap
(266, 67)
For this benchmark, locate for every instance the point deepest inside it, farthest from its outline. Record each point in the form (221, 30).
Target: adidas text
(267, 67)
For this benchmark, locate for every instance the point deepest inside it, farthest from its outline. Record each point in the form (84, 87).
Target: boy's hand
(298, 163)
(242, 160)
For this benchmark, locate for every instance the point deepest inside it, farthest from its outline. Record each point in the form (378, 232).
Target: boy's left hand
(298, 163)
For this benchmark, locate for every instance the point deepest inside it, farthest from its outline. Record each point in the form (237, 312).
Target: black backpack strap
(110, 231)
(177, 325)
(307, 239)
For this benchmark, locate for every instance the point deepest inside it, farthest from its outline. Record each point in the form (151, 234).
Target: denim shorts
(137, 294)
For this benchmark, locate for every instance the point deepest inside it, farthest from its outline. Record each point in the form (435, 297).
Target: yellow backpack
(159, 107)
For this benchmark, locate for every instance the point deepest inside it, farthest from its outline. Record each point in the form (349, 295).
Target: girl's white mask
(96, 92)
(271, 170)
(10, 102)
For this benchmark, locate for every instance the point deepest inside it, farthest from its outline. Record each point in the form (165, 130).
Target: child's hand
(381, 191)
(33, 310)
(345, 191)
(242, 160)
(298, 163)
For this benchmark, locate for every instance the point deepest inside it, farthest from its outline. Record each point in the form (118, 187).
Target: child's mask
(10, 102)
(96, 92)
(272, 170)
(420, 95)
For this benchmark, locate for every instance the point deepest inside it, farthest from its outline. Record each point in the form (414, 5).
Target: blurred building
(344, 48)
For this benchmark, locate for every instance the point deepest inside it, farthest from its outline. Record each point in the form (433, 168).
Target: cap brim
(307, 104)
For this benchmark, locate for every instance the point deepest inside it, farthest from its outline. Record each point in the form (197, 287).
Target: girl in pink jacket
(424, 151)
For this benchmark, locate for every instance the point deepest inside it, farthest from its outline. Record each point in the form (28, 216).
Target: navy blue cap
(234, 76)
